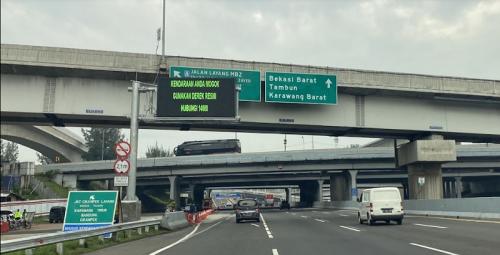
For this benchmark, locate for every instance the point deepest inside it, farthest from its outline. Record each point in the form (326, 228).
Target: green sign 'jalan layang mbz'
(249, 81)
(301, 88)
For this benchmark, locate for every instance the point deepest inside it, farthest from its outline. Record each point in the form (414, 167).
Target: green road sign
(89, 209)
(249, 81)
(301, 88)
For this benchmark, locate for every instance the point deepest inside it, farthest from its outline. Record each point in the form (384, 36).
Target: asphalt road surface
(299, 232)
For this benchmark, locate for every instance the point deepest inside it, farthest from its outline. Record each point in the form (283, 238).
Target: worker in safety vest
(18, 215)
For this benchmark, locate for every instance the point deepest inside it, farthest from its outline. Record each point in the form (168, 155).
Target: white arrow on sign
(177, 74)
(121, 166)
(328, 83)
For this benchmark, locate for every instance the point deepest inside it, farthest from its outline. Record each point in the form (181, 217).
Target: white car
(380, 204)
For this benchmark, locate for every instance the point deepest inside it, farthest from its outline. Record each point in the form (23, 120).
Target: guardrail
(60, 237)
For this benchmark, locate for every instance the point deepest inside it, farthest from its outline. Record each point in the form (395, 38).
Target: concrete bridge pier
(309, 193)
(423, 159)
(339, 189)
(175, 190)
(353, 184)
(288, 194)
(67, 180)
(425, 181)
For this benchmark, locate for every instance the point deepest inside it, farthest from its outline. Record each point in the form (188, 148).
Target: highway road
(307, 231)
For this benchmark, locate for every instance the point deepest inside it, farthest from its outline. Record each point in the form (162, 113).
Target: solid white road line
(268, 231)
(343, 215)
(434, 249)
(176, 243)
(319, 220)
(353, 229)
(255, 225)
(444, 218)
(275, 252)
(430, 226)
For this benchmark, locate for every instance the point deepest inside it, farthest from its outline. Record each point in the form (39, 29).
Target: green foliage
(56, 188)
(101, 142)
(9, 151)
(91, 244)
(158, 151)
(44, 160)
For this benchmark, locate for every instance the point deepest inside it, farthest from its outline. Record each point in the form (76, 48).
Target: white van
(380, 204)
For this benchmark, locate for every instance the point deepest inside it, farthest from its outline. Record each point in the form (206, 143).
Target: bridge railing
(58, 238)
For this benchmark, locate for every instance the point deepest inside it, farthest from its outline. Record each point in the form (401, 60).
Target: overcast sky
(455, 38)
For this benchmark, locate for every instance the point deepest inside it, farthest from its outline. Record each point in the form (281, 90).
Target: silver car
(247, 209)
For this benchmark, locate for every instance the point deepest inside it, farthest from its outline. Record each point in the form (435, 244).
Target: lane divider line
(320, 220)
(343, 215)
(203, 231)
(303, 216)
(178, 241)
(429, 226)
(275, 252)
(444, 218)
(433, 249)
(268, 231)
(353, 229)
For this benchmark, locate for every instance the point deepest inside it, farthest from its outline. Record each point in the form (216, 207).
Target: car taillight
(238, 210)
(258, 210)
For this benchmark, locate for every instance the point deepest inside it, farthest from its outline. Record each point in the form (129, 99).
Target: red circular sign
(122, 149)
(121, 166)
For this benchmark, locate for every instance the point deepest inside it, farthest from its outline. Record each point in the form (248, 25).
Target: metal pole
(163, 36)
(134, 130)
(102, 145)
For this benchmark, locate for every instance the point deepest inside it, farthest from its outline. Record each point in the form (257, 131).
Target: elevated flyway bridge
(468, 157)
(372, 104)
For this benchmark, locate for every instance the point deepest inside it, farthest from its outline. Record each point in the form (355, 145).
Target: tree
(157, 151)
(9, 151)
(44, 160)
(101, 142)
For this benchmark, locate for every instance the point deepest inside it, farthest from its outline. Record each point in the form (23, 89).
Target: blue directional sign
(248, 81)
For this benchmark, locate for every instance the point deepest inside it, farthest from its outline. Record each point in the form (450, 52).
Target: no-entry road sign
(122, 149)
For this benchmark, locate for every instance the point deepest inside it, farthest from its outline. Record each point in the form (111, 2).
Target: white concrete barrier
(174, 220)
(474, 207)
(40, 207)
(477, 207)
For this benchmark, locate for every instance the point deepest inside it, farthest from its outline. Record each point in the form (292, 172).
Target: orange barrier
(195, 218)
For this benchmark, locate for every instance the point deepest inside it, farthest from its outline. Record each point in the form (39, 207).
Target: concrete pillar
(353, 184)
(423, 159)
(174, 190)
(319, 193)
(431, 176)
(66, 180)
(288, 195)
(458, 187)
(446, 190)
(339, 188)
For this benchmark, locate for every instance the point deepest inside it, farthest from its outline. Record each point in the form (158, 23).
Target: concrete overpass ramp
(59, 144)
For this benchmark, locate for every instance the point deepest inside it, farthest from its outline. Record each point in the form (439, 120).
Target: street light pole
(134, 131)
(102, 145)
(163, 36)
